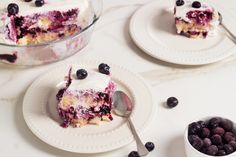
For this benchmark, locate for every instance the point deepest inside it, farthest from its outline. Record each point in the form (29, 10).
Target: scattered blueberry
(81, 74)
(150, 146)
(27, 0)
(172, 102)
(196, 4)
(180, 2)
(39, 3)
(212, 150)
(104, 68)
(13, 9)
(194, 128)
(228, 149)
(133, 154)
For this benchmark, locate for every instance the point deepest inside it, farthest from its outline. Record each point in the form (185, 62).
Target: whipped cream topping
(95, 81)
(181, 11)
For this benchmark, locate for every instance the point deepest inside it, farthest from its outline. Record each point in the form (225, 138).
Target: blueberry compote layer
(200, 17)
(38, 28)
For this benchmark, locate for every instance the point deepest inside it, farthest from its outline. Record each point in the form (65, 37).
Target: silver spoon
(123, 106)
(231, 35)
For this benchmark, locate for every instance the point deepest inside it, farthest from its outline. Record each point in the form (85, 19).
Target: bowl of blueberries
(211, 136)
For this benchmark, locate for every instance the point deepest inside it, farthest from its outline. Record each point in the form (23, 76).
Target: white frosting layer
(181, 11)
(95, 81)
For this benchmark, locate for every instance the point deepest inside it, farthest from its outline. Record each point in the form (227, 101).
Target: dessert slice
(86, 97)
(195, 19)
(25, 22)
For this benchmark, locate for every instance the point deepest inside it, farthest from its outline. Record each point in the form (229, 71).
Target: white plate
(39, 110)
(152, 29)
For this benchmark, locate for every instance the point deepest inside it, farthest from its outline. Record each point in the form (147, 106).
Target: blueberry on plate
(172, 102)
(104, 69)
(13, 9)
(133, 154)
(150, 146)
(81, 74)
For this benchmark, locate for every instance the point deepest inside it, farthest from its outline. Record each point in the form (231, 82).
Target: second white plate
(40, 114)
(152, 29)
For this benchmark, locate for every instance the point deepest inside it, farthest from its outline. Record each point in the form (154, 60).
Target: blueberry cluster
(213, 137)
(149, 145)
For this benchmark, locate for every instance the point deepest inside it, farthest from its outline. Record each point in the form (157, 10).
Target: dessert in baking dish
(195, 19)
(86, 97)
(25, 22)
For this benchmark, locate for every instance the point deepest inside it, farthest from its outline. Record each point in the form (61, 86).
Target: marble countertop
(201, 90)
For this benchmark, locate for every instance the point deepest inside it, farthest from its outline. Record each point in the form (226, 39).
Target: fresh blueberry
(195, 141)
(133, 154)
(179, 2)
(218, 130)
(212, 150)
(228, 149)
(205, 132)
(172, 102)
(27, 0)
(13, 9)
(39, 3)
(214, 122)
(150, 146)
(221, 153)
(226, 124)
(81, 74)
(233, 144)
(104, 68)
(194, 128)
(206, 142)
(229, 136)
(216, 139)
(202, 123)
(196, 4)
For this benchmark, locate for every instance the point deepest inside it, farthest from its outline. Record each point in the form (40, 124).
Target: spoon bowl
(122, 106)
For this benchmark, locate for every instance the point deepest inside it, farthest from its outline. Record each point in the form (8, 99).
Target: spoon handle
(142, 150)
(232, 36)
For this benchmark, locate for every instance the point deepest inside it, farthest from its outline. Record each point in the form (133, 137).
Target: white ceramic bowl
(192, 152)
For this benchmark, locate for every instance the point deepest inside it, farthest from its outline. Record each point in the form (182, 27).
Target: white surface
(201, 90)
(153, 30)
(40, 113)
